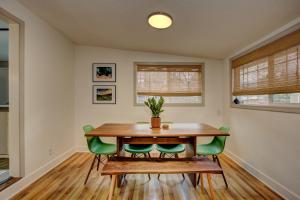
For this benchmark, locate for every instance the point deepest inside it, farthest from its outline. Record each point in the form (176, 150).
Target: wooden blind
(274, 74)
(169, 80)
(283, 43)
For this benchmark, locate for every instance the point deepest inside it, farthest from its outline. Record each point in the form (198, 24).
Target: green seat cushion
(103, 148)
(138, 148)
(170, 148)
(208, 149)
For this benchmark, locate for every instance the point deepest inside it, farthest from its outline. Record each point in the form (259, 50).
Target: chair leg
(213, 157)
(112, 187)
(183, 176)
(149, 155)
(92, 165)
(211, 191)
(198, 179)
(99, 158)
(222, 171)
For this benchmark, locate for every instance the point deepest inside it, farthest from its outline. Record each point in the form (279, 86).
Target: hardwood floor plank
(66, 182)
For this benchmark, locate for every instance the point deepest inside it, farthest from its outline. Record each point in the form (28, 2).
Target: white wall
(48, 89)
(265, 143)
(124, 110)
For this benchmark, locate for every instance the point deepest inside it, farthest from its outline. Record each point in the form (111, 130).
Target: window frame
(273, 107)
(202, 104)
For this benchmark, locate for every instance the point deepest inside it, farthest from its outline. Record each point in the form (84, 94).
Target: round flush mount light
(160, 20)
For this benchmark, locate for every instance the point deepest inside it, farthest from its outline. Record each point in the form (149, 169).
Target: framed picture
(104, 72)
(104, 94)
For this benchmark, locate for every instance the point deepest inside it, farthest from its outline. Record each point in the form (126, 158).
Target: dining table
(142, 133)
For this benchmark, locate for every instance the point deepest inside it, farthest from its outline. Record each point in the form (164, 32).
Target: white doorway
(11, 97)
(4, 102)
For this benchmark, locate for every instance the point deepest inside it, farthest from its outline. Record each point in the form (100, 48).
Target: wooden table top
(144, 130)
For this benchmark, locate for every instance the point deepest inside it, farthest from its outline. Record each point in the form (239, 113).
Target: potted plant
(156, 109)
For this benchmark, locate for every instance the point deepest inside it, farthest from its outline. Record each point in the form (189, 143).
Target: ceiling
(202, 28)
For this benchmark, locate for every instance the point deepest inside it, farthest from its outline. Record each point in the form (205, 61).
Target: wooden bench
(121, 165)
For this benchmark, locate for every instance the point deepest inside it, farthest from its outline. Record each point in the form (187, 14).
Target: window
(178, 83)
(269, 76)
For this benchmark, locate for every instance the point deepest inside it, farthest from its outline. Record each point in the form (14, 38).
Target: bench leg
(112, 187)
(212, 195)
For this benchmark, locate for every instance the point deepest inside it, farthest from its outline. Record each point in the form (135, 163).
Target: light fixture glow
(160, 20)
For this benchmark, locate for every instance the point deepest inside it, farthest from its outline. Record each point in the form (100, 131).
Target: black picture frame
(114, 94)
(113, 67)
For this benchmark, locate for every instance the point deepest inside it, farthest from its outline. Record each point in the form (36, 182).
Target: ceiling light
(160, 20)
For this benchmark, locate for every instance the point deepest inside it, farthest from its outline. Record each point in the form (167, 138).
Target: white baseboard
(30, 178)
(271, 183)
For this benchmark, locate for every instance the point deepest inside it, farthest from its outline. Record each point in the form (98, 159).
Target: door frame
(16, 93)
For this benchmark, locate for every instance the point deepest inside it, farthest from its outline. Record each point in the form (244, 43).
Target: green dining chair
(214, 148)
(139, 149)
(170, 150)
(98, 148)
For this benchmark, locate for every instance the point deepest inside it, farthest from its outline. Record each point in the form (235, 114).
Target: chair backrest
(220, 140)
(91, 141)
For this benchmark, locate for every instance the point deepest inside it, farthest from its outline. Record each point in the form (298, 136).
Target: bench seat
(118, 166)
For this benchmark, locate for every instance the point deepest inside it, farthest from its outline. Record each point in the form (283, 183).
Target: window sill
(176, 104)
(272, 108)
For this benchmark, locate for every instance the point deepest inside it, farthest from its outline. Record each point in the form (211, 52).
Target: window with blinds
(178, 84)
(269, 75)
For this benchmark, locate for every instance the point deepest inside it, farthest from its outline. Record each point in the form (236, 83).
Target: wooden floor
(4, 163)
(66, 182)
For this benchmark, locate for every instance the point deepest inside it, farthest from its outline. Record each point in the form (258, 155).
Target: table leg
(119, 146)
(193, 177)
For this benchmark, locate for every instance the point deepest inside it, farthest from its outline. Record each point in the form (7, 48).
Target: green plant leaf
(155, 106)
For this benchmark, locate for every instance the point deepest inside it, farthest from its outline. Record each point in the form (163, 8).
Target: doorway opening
(11, 99)
(4, 102)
